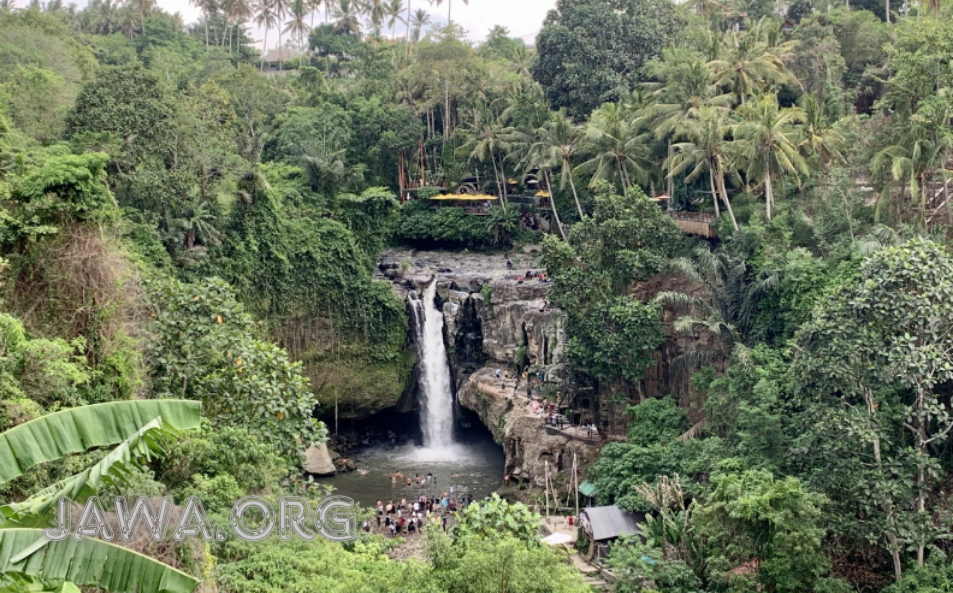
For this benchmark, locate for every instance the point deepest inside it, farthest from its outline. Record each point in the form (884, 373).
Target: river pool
(474, 465)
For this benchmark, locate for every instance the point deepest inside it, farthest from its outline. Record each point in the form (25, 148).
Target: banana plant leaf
(88, 562)
(77, 429)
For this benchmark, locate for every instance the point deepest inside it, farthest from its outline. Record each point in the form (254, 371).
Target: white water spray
(436, 395)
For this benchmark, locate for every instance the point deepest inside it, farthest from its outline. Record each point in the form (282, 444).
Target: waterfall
(436, 395)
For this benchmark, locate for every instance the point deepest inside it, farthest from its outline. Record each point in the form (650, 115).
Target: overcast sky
(522, 17)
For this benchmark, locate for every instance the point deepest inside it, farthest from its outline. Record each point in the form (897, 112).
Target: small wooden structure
(603, 525)
(274, 58)
(694, 223)
(473, 204)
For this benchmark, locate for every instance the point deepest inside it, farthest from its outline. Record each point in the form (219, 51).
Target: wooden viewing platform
(694, 223)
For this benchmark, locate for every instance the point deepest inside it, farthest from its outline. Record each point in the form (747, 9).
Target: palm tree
(143, 7)
(555, 145)
(348, 22)
(820, 138)
(731, 306)
(684, 84)
(178, 23)
(280, 8)
(197, 224)
(7, 6)
(407, 23)
(395, 14)
(449, 7)
(328, 7)
(488, 138)
(297, 26)
(107, 17)
(127, 20)
(920, 149)
(208, 7)
(418, 21)
(768, 139)
(750, 62)
(266, 17)
(705, 149)
(613, 137)
(377, 12)
(313, 7)
(707, 7)
(237, 12)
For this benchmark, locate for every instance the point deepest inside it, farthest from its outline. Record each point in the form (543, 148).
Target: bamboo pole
(575, 481)
(546, 484)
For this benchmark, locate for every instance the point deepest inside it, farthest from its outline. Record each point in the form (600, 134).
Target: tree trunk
(206, 31)
(946, 200)
(625, 186)
(888, 508)
(501, 183)
(724, 197)
(575, 195)
(281, 55)
(670, 186)
(887, 11)
(768, 190)
(450, 5)
(552, 204)
(264, 48)
(922, 441)
(408, 26)
(714, 190)
(446, 113)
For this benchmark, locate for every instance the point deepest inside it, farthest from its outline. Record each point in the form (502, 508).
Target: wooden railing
(694, 223)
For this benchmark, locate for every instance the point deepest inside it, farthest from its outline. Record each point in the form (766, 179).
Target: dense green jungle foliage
(182, 220)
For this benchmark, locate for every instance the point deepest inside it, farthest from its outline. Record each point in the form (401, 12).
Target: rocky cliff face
(530, 445)
(494, 321)
(490, 317)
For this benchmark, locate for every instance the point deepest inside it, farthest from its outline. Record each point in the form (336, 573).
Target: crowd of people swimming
(409, 517)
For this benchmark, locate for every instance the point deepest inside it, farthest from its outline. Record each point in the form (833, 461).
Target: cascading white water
(436, 395)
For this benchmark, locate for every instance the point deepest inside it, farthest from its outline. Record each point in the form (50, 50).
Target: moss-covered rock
(361, 386)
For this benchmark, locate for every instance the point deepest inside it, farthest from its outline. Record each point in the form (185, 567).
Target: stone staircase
(590, 574)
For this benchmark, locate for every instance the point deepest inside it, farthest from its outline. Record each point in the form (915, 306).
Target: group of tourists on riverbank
(409, 518)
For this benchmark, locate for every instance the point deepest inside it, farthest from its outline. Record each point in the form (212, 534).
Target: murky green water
(473, 465)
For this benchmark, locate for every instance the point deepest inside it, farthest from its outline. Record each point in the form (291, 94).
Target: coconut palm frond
(692, 432)
(687, 324)
(685, 268)
(693, 360)
(679, 301)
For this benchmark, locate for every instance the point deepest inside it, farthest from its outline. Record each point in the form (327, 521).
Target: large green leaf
(12, 582)
(111, 469)
(78, 429)
(88, 562)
